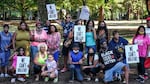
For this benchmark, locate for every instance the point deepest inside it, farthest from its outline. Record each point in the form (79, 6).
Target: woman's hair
(137, 32)
(5, 25)
(18, 50)
(49, 29)
(42, 45)
(76, 22)
(19, 27)
(88, 24)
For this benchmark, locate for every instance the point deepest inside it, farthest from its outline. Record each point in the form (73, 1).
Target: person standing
(53, 42)
(143, 41)
(5, 51)
(21, 37)
(91, 36)
(67, 26)
(47, 26)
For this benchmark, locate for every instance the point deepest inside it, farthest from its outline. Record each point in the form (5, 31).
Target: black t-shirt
(108, 59)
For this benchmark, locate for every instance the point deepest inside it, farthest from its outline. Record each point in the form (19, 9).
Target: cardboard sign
(51, 11)
(22, 65)
(85, 13)
(132, 55)
(79, 33)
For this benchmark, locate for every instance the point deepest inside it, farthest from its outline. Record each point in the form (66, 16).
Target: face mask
(141, 32)
(75, 51)
(91, 54)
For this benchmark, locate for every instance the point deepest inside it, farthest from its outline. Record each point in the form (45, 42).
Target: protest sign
(85, 13)
(132, 55)
(79, 33)
(51, 11)
(22, 65)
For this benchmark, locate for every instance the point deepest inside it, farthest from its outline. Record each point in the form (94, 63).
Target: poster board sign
(132, 55)
(51, 11)
(85, 13)
(22, 65)
(79, 33)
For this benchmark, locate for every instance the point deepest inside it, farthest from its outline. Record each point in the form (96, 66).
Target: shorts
(4, 58)
(110, 72)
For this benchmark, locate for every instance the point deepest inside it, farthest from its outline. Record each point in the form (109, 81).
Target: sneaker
(55, 80)
(145, 77)
(141, 80)
(124, 82)
(63, 70)
(46, 79)
(2, 75)
(96, 80)
(21, 79)
(88, 78)
(13, 80)
(71, 81)
(6, 75)
(37, 78)
(27, 75)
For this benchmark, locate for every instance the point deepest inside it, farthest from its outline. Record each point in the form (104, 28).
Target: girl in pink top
(12, 69)
(38, 36)
(53, 42)
(143, 41)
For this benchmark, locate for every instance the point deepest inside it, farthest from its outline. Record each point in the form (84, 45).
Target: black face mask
(91, 54)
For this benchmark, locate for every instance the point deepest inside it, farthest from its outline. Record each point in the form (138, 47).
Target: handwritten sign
(22, 65)
(132, 55)
(79, 33)
(84, 15)
(51, 11)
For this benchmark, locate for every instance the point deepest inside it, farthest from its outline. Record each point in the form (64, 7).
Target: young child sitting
(12, 69)
(49, 70)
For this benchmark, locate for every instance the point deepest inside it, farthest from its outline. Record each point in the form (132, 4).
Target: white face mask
(75, 51)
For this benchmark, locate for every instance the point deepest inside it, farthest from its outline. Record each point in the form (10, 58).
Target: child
(12, 69)
(50, 69)
(75, 61)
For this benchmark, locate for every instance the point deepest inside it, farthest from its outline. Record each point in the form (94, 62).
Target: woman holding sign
(90, 36)
(143, 41)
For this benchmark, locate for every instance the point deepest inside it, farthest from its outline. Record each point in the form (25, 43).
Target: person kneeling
(110, 64)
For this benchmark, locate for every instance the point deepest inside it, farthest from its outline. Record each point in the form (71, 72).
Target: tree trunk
(148, 6)
(42, 10)
(101, 14)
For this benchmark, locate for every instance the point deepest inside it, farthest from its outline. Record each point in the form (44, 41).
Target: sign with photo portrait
(22, 65)
(79, 33)
(51, 11)
(132, 55)
(85, 13)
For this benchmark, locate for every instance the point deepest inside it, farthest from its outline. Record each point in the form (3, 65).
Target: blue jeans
(34, 51)
(88, 47)
(75, 72)
(56, 55)
(4, 58)
(109, 73)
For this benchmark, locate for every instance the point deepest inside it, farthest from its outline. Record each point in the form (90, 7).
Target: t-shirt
(5, 40)
(90, 41)
(94, 59)
(142, 43)
(67, 27)
(14, 62)
(51, 65)
(76, 57)
(108, 59)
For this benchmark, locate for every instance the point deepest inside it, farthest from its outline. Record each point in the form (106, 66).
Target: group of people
(99, 53)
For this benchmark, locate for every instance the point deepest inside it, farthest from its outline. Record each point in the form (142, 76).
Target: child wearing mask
(142, 40)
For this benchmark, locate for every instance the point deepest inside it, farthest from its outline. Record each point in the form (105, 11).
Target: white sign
(22, 65)
(79, 33)
(51, 11)
(132, 54)
(85, 13)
